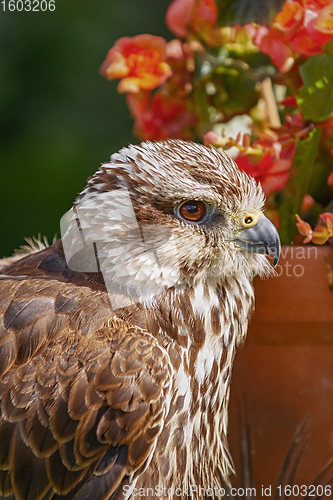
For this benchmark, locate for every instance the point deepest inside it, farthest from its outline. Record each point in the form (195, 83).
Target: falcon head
(170, 213)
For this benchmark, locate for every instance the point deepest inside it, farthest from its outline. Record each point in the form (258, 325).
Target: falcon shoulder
(34, 245)
(86, 396)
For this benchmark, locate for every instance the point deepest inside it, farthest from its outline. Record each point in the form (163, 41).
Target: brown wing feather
(79, 405)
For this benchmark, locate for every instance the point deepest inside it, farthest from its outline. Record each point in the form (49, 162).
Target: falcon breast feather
(117, 341)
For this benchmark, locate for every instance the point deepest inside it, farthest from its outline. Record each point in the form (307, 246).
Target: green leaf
(316, 95)
(328, 47)
(242, 12)
(298, 184)
(235, 90)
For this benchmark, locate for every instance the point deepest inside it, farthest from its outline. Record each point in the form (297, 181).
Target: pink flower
(327, 218)
(178, 16)
(199, 16)
(320, 234)
(214, 139)
(139, 63)
(304, 229)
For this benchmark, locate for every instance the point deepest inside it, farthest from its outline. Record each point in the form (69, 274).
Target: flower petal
(320, 235)
(327, 218)
(178, 15)
(139, 62)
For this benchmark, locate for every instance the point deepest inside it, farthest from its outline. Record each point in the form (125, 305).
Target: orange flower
(138, 62)
(324, 21)
(302, 26)
(320, 234)
(161, 116)
(330, 179)
(199, 16)
(307, 203)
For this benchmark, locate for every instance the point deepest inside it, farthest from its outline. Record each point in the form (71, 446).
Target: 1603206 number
(317, 491)
(28, 5)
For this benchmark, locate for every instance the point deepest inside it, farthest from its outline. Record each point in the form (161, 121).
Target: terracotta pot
(285, 370)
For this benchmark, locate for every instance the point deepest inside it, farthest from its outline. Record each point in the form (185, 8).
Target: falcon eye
(250, 220)
(193, 210)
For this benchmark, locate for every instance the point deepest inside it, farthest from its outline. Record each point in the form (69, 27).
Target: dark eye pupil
(191, 208)
(248, 220)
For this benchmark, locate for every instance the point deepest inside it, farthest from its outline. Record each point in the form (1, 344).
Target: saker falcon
(117, 342)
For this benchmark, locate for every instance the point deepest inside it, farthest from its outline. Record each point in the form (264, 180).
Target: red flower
(138, 62)
(280, 53)
(289, 101)
(272, 174)
(161, 116)
(302, 26)
(269, 162)
(199, 16)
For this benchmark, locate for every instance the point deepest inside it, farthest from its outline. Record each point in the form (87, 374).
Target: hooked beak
(261, 238)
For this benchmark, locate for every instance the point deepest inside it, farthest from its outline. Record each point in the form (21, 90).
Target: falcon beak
(261, 238)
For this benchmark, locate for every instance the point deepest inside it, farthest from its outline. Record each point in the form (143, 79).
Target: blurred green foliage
(233, 12)
(316, 95)
(59, 119)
